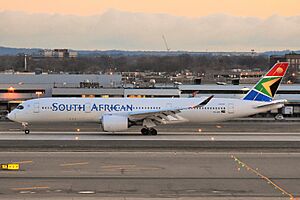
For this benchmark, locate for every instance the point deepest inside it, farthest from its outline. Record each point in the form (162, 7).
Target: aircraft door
(36, 107)
(230, 108)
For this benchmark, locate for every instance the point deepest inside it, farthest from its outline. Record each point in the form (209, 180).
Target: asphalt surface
(242, 134)
(243, 125)
(151, 175)
(217, 161)
(92, 141)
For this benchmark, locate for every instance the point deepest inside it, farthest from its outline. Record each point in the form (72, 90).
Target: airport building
(17, 87)
(293, 59)
(56, 53)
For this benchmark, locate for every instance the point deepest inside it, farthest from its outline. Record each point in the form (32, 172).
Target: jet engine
(112, 123)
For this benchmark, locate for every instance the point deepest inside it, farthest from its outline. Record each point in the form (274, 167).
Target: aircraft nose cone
(11, 116)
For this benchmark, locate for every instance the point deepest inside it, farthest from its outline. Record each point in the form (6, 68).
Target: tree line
(96, 64)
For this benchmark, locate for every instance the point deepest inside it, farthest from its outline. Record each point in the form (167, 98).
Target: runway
(251, 134)
(250, 125)
(232, 160)
(165, 140)
(149, 174)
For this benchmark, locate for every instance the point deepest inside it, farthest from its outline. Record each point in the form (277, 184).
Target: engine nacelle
(112, 123)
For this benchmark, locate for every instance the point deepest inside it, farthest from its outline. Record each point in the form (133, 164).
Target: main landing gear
(25, 128)
(148, 131)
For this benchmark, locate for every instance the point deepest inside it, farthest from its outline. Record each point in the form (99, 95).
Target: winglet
(203, 103)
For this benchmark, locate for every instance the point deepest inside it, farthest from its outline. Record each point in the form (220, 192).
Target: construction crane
(166, 44)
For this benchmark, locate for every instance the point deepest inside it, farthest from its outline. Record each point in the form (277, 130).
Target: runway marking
(14, 129)
(86, 192)
(133, 169)
(73, 164)
(265, 178)
(117, 166)
(127, 167)
(31, 188)
(25, 162)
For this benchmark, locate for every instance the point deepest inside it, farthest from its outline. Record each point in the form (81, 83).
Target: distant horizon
(11, 47)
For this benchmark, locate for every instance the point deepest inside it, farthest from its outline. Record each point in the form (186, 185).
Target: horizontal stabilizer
(278, 102)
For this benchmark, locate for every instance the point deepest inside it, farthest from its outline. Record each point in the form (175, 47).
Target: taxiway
(150, 174)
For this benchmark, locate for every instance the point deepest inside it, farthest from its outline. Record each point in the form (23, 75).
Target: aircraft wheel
(153, 131)
(27, 131)
(145, 131)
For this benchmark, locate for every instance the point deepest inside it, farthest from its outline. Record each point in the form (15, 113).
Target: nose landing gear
(25, 127)
(148, 131)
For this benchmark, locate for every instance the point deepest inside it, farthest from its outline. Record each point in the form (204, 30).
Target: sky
(193, 25)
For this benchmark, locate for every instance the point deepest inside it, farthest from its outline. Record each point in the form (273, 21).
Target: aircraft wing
(162, 115)
(272, 103)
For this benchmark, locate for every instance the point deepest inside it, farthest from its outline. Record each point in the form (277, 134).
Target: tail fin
(267, 87)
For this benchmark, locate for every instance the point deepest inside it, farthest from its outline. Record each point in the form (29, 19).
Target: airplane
(118, 114)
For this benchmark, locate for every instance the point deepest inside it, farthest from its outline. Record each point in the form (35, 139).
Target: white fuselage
(92, 109)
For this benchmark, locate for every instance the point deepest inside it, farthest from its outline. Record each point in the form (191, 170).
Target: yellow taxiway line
(268, 180)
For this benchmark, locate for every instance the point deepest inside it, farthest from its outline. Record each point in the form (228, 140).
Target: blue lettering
(129, 107)
(75, 107)
(106, 107)
(61, 107)
(68, 107)
(54, 107)
(117, 107)
(112, 107)
(94, 107)
(81, 107)
(123, 108)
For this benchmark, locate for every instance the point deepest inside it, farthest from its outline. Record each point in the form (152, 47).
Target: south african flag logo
(267, 87)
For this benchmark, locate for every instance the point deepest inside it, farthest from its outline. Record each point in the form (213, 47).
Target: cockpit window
(20, 107)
